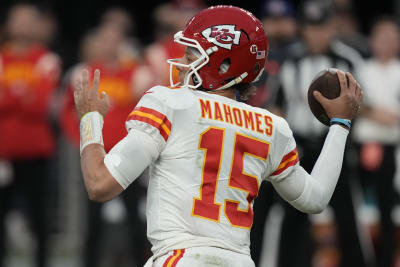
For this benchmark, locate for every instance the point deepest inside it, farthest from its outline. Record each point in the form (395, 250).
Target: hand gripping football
(327, 83)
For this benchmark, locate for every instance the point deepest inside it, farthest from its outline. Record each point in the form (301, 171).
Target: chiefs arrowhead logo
(223, 35)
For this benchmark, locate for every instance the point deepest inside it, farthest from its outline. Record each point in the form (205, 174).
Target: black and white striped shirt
(296, 75)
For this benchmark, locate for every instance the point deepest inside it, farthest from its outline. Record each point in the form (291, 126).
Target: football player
(208, 153)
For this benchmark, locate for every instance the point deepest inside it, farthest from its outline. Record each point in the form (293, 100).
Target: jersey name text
(250, 120)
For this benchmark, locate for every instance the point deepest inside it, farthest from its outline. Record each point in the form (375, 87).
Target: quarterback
(207, 152)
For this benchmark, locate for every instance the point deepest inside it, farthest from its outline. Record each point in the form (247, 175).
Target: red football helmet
(231, 46)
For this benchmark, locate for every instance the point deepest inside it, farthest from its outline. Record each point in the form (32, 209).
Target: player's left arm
(91, 108)
(107, 175)
(99, 183)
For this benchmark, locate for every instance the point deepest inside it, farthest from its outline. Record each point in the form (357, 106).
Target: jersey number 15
(212, 142)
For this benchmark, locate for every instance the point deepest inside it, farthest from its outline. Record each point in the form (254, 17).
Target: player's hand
(88, 99)
(347, 104)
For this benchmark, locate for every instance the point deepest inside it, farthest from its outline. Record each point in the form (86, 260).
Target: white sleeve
(152, 116)
(311, 193)
(128, 159)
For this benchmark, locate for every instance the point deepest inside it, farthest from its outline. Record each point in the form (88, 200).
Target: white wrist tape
(91, 129)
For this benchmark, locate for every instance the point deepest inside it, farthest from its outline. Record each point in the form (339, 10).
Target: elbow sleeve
(313, 199)
(311, 193)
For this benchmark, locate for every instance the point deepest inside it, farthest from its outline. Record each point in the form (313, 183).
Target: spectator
(124, 82)
(48, 28)
(278, 18)
(29, 74)
(121, 20)
(377, 132)
(347, 29)
(318, 51)
(49, 34)
(169, 18)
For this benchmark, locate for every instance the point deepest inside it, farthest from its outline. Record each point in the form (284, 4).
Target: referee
(317, 51)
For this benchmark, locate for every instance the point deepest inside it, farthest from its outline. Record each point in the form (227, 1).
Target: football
(327, 83)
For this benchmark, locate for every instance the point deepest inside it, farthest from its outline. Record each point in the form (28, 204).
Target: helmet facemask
(195, 66)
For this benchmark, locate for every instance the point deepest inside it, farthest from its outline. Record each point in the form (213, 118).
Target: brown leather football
(327, 83)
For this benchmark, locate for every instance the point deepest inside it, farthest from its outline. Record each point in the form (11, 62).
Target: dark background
(75, 17)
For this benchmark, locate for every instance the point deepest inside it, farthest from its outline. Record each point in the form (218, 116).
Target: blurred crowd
(45, 216)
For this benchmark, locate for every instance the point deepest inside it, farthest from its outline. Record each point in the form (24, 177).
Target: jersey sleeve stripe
(179, 256)
(164, 131)
(169, 259)
(173, 260)
(288, 160)
(290, 155)
(154, 118)
(156, 114)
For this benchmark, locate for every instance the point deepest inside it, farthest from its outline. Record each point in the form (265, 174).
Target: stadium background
(76, 17)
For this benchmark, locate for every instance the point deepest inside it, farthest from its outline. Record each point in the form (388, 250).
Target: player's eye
(189, 55)
(190, 59)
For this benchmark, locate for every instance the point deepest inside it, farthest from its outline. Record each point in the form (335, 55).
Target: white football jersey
(214, 152)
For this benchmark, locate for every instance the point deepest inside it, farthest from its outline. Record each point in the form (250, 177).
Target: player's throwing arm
(312, 192)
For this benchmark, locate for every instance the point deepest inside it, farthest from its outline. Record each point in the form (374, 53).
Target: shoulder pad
(282, 126)
(175, 98)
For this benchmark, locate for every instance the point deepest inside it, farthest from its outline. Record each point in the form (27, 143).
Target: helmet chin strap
(237, 80)
(195, 80)
(209, 51)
